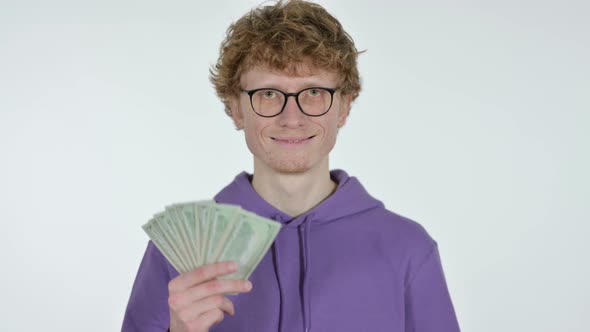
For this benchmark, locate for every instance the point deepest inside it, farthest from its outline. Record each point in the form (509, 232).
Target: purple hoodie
(347, 265)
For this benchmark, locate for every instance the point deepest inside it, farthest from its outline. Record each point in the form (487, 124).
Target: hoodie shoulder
(410, 228)
(411, 238)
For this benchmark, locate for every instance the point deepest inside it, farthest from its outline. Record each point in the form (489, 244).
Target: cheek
(328, 141)
(254, 135)
(331, 127)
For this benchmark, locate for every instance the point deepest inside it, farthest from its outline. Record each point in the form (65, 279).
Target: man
(287, 75)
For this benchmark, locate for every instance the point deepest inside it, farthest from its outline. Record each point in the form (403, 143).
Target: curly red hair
(282, 37)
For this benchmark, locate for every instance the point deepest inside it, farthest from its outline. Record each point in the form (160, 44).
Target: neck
(294, 193)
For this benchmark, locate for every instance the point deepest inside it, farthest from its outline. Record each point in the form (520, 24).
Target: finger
(228, 306)
(208, 289)
(214, 316)
(218, 320)
(206, 320)
(200, 275)
(219, 286)
(213, 302)
(205, 305)
(195, 310)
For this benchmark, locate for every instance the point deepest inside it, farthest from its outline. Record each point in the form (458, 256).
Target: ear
(346, 103)
(236, 113)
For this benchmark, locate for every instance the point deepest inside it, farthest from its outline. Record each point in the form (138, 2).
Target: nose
(291, 116)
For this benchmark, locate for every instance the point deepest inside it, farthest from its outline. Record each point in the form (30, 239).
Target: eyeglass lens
(313, 101)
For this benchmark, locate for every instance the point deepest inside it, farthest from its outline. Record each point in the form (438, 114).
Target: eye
(314, 92)
(269, 94)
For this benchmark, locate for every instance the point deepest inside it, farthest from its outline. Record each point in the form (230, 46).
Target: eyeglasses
(314, 101)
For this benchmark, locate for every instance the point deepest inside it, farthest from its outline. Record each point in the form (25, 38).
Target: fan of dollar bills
(196, 233)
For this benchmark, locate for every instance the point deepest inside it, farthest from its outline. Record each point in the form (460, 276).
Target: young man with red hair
(287, 75)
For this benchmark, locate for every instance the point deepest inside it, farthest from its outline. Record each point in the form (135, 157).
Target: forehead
(297, 78)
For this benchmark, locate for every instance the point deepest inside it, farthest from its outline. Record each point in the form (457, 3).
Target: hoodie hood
(349, 198)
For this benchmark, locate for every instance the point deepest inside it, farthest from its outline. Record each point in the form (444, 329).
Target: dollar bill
(191, 234)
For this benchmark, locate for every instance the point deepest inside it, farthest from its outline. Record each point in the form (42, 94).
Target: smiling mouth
(293, 139)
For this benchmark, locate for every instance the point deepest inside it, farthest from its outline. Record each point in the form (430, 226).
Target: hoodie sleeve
(428, 302)
(147, 309)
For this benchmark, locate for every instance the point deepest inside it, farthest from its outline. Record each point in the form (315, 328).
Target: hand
(196, 299)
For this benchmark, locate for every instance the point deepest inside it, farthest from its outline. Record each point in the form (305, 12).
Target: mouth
(292, 140)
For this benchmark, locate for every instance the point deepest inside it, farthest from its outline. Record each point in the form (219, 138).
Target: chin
(289, 165)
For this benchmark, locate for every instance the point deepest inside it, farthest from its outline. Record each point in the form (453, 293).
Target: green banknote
(191, 234)
(249, 242)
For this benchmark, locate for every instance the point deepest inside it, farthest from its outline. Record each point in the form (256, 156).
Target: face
(290, 142)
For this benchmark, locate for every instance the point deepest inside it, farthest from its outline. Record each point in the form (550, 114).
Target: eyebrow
(302, 87)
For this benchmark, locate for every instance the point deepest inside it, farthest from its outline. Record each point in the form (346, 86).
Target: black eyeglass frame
(287, 95)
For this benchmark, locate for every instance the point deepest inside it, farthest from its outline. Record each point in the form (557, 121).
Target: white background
(474, 120)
